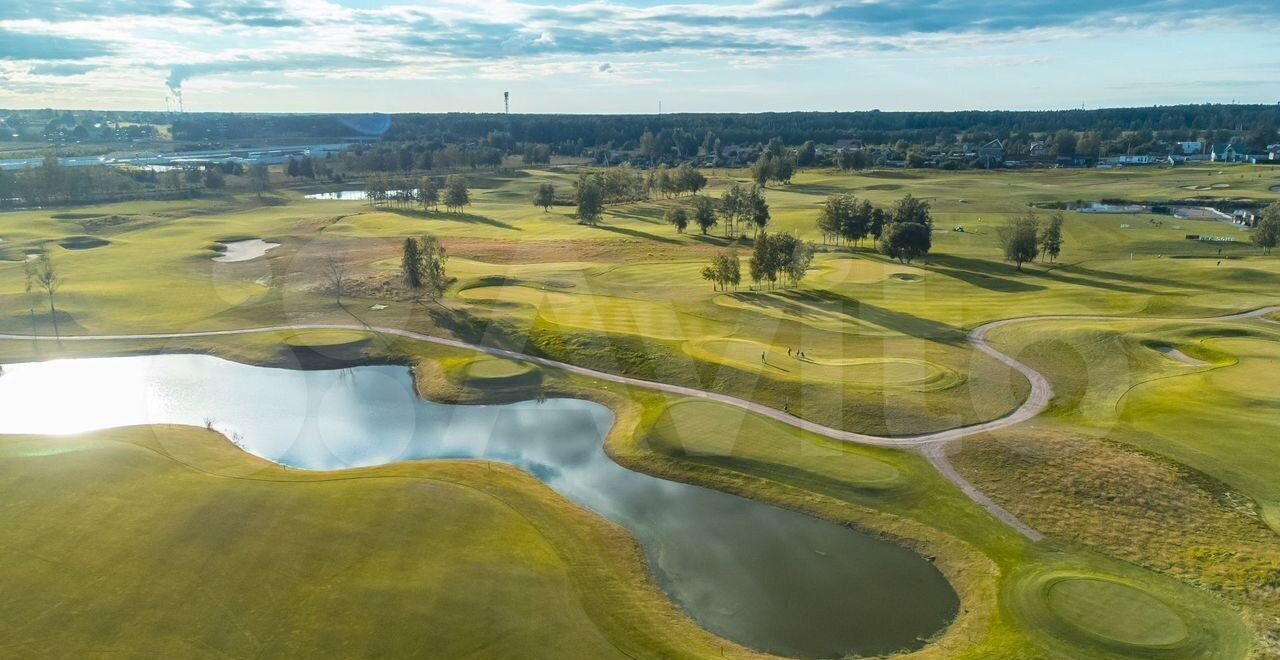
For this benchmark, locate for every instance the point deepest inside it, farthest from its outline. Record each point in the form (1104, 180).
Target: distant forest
(569, 132)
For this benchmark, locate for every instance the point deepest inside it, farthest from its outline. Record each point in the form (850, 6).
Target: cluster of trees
(701, 211)
(596, 188)
(775, 164)
(779, 258)
(1266, 234)
(422, 264)
(740, 208)
(683, 180)
(306, 168)
(415, 155)
(852, 159)
(53, 184)
(844, 219)
(536, 154)
(724, 271)
(909, 233)
(1025, 237)
(429, 192)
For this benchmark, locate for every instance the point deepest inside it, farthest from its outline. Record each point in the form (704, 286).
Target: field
(1150, 476)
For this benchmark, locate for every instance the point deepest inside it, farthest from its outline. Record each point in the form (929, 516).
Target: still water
(768, 578)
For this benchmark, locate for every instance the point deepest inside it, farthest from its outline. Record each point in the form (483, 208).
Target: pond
(349, 195)
(768, 578)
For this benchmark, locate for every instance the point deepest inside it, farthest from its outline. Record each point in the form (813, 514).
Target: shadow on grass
(982, 273)
(788, 303)
(470, 218)
(636, 234)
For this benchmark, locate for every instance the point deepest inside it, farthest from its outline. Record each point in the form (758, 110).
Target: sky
(629, 56)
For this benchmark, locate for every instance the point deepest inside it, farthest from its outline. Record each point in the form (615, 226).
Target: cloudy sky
(629, 55)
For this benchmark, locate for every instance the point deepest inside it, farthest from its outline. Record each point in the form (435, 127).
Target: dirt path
(931, 445)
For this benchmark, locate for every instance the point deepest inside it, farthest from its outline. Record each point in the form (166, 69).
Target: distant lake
(349, 195)
(768, 578)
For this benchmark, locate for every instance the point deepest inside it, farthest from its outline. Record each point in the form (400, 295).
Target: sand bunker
(244, 250)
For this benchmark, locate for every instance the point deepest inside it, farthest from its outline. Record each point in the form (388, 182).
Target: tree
(677, 217)
(307, 167)
(704, 213)
(725, 270)
(213, 179)
(762, 170)
(1019, 238)
(546, 197)
(733, 205)
(291, 168)
(410, 263)
(590, 200)
(429, 193)
(1064, 143)
(335, 273)
(1051, 238)
(29, 269)
(906, 241)
(46, 277)
(807, 154)
(757, 209)
(1266, 234)
(760, 265)
(432, 259)
(910, 209)
(259, 179)
(456, 194)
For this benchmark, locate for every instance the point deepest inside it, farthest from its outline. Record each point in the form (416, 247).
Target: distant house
(851, 144)
(991, 153)
(1273, 150)
(1038, 149)
(1180, 159)
(1227, 153)
(1244, 218)
(1188, 148)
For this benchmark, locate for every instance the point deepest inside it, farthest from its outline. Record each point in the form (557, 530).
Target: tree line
(428, 192)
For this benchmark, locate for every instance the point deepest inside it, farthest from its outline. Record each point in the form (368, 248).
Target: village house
(991, 153)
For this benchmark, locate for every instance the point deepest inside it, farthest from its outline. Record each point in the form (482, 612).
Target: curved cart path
(931, 445)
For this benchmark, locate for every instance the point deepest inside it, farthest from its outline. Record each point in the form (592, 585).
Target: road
(930, 445)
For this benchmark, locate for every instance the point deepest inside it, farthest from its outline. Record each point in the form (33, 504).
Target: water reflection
(771, 579)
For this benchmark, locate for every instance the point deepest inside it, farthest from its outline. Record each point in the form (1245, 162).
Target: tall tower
(506, 102)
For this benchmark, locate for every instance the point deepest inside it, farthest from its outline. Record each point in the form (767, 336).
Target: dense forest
(572, 133)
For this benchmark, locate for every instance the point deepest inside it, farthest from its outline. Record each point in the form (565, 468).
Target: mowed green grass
(886, 342)
(1215, 418)
(170, 542)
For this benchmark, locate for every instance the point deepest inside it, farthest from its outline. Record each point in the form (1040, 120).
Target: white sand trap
(244, 250)
(1171, 352)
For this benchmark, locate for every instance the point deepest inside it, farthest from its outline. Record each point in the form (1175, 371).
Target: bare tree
(29, 269)
(46, 277)
(335, 272)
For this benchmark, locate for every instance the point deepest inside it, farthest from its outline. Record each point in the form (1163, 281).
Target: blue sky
(626, 56)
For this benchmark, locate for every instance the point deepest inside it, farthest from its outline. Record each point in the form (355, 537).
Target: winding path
(930, 445)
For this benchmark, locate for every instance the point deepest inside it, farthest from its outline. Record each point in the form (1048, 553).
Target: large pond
(768, 578)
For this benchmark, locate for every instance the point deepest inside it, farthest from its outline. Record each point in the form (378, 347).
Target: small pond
(349, 195)
(768, 578)
(244, 250)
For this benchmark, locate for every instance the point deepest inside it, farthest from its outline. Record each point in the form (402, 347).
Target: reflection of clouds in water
(772, 579)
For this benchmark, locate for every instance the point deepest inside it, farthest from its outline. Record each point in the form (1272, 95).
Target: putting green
(321, 338)
(602, 313)
(865, 372)
(845, 270)
(1115, 612)
(1108, 609)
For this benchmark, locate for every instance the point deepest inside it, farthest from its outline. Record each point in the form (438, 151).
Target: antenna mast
(506, 102)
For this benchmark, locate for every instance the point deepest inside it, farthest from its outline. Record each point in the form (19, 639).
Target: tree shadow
(786, 302)
(637, 234)
(981, 273)
(456, 217)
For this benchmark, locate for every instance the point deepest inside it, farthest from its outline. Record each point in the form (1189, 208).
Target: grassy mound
(324, 338)
(1115, 613)
(257, 549)
(489, 372)
(1093, 612)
